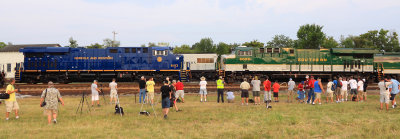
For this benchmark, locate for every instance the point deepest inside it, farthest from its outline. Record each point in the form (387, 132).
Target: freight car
(63, 64)
(281, 63)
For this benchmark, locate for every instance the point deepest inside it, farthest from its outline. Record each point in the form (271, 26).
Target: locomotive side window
(244, 53)
(291, 51)
(276, 50)
(113, 50)
(269, 50)
(145, 50)
(127, 50)
(160, 52)
(261, 50)
(133, 50)
(8, 67)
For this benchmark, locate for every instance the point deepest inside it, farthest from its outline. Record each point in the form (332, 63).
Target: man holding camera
(11, 103)
(51, 96)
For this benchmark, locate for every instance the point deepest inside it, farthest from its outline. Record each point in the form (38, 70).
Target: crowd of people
(309, 91)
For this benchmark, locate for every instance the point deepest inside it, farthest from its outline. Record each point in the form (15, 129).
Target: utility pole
(114, 33)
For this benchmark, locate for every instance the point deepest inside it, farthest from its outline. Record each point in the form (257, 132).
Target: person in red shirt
(301, 92)
(267, 90)
(275, 88)
(179, 91)
(311, 95)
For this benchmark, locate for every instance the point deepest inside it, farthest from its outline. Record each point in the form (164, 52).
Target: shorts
(353, 91)
(166, 103)
(95, 97)
(343, 93)
(276, 94)
(364, 94)
(337, 92)
(50, 111)
(113, 93)
(329, 94)
(11, 105)
(203, 92)
(392, 96)
(256, 93)
(384, 98)
(267, 95)
(179, 93)
(290, 93)
(245, 94)
(150, 95)
(317, 95)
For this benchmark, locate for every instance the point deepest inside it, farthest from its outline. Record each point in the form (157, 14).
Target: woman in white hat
(203, 89)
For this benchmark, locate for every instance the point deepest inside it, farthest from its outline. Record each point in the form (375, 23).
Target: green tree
(310, 36)
(394, 42)
(346, 42)
(2, 45)
(95, 46)
(151, 44)
(110, 43)
(381, 40)
(72, 43)
(223, 48)
(143, 45)
(204, 46)
(183, 49)
(281, 41)
(330, 42)
(254, 43)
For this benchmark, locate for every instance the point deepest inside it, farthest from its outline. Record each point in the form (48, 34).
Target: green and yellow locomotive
(290, 62)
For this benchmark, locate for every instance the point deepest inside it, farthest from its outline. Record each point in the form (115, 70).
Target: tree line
(309, 36)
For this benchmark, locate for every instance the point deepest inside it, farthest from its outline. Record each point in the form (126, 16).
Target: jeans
(311, 95)
(142, 93)
(220, 94)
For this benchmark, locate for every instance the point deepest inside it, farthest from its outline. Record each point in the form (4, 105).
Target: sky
(180, 22)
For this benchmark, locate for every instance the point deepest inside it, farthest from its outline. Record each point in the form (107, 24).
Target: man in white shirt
(343, 91)
(353, 88)
(95, 93)
(256, 90)
(203, 89)
(329, 91)
(113, 91)
(291, 85)
(384, 92)
(360, 88)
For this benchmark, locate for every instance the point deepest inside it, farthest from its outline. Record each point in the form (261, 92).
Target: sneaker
(55, 121)
(16, 117)
(165, 116)
(313, 103)
(393, 106)
(242, 104)
(205, 100)
(7, 119)
(247, 104)
(319, 103)
(98, 105)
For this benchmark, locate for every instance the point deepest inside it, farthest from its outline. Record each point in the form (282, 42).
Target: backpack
(333, 87)
(339, 84)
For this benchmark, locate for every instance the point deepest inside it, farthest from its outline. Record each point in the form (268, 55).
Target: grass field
(208, 120)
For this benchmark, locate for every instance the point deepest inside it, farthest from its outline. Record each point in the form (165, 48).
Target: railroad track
(124, 88)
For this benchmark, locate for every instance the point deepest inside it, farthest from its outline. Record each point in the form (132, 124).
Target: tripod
(102, 93)
(152, 106)
(81, 103)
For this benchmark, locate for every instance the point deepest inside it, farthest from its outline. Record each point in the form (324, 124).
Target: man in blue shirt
(336, 91)
(395, 90)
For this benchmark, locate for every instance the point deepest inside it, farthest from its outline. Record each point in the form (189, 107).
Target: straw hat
(203, 78)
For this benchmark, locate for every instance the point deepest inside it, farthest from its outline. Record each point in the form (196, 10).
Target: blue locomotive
(64, 64)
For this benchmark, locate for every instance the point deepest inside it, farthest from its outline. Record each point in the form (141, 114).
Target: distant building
(10, 57)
